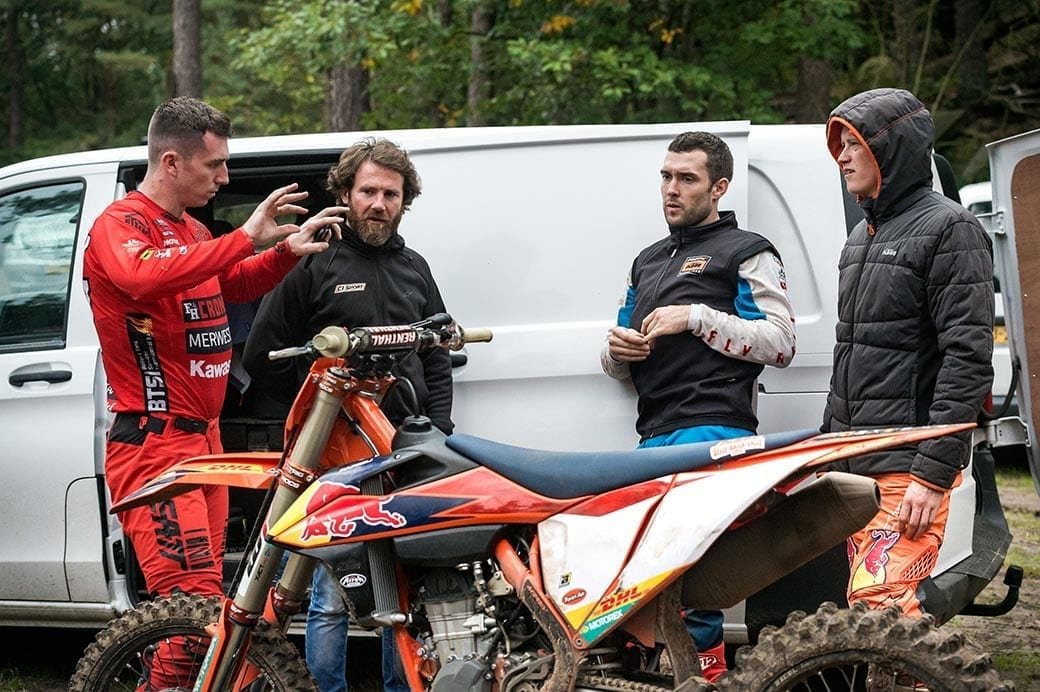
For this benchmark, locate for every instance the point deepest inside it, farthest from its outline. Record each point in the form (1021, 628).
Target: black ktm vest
(684, 383)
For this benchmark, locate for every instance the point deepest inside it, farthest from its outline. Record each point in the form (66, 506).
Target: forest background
(86, 74)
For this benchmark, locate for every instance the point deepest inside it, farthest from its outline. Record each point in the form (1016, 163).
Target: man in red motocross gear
(157, 281)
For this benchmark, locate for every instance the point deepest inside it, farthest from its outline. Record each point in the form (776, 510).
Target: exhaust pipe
(804, 525)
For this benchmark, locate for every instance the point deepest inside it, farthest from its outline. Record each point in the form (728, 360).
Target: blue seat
(564, 475)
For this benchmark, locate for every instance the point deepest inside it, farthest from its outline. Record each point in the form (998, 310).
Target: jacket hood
(897, 129)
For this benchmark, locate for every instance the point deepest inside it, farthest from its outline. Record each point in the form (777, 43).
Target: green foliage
(94, 69)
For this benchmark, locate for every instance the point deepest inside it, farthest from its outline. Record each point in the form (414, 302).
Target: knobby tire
(118, 657)
(860, 649)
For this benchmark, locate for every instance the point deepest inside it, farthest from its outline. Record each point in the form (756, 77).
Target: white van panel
(545, 270)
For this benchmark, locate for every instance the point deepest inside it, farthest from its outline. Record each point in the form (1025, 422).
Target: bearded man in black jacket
(914, 336)
(369, 278)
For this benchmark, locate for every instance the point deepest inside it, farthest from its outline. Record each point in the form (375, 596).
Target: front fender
(253, 470)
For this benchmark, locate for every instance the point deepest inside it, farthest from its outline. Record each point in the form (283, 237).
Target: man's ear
(169, 162)
(718, 188)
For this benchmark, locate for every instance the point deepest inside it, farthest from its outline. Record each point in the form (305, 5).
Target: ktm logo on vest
(695, 265)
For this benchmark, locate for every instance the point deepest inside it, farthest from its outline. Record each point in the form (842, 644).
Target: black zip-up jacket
(915, 298)
(352, 284)
(684, 382)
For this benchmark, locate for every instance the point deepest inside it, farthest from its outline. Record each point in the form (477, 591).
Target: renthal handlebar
(337, 342)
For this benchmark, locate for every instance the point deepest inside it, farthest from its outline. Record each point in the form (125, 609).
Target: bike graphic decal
(601, 618)
(345, 522)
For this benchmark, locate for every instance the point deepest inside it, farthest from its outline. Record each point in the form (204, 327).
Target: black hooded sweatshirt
(915, 298)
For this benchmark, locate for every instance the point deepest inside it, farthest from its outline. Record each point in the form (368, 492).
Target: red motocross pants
(885, 566)
(179, 542)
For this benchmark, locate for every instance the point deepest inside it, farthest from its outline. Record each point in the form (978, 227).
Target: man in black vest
(706, 308)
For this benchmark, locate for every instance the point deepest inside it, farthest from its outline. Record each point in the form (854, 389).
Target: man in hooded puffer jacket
(914, 337)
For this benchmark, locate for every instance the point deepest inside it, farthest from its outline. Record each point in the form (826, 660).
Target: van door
(48, 364)
(1015, 169)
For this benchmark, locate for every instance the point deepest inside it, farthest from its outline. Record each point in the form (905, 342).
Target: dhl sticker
(612, 608)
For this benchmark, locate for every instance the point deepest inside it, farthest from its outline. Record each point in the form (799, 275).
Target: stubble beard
(691, 216)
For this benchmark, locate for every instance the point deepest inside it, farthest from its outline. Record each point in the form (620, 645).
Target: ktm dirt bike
(508, 569)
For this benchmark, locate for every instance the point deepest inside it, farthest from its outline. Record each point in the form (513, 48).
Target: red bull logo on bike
(342, 522)
(872, 570)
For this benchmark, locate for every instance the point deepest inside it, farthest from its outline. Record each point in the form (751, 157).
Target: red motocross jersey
(156, 286)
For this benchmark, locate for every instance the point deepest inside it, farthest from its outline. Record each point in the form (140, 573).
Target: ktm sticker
(573, 596)
(695, 265)
(736, 446)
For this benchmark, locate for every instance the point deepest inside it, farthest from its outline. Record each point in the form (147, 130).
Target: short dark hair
(180, 123)
(382, 152)
(720, 159)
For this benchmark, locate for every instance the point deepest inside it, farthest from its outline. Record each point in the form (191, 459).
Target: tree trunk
(348, 97)
(16, 76)
(972, 77)
(906, 48)
(814, 90)
(187, 64)
(479, 87)
(444, 12)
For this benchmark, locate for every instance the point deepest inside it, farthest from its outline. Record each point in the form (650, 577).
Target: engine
(477, 631)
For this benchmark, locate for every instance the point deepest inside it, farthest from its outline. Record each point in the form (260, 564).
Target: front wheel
(159, 645)
(860, 649)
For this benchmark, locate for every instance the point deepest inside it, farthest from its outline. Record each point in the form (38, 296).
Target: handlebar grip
(477, 335)
(332, 342)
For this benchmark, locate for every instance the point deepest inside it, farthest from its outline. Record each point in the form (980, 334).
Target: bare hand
(918, 509)
(261, 226)
(627, 345)
(662, 321)
(303, 241)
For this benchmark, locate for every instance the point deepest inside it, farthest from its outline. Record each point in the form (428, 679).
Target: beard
(694, 215)
(373, 231)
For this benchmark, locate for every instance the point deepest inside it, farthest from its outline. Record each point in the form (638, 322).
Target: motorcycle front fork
(224, 667)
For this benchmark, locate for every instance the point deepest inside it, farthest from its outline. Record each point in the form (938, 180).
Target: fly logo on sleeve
(695, 265)
(349, 288)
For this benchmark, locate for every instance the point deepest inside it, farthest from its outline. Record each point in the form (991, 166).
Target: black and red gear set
(157, 285)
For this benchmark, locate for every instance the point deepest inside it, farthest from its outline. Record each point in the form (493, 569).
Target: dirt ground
(1013, 639)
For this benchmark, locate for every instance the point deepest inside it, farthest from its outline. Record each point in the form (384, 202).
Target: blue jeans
(326, 641)
(704, 626)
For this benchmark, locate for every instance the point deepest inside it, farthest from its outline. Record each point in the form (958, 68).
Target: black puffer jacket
(915, 298)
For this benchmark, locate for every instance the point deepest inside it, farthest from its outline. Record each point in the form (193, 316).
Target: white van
(529, 231)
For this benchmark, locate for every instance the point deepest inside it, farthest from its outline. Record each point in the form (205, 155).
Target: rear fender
(251, 470)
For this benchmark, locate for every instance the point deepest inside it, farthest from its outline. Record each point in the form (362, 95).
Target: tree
(479, 86)
(16, 87)
(187, 49)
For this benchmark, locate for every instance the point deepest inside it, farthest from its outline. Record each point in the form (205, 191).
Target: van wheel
(861, 649)
(160, 644)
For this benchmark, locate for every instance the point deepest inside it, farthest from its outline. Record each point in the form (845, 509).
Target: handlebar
(337, 342)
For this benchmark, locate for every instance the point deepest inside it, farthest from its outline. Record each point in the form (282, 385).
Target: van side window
(37, 239)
